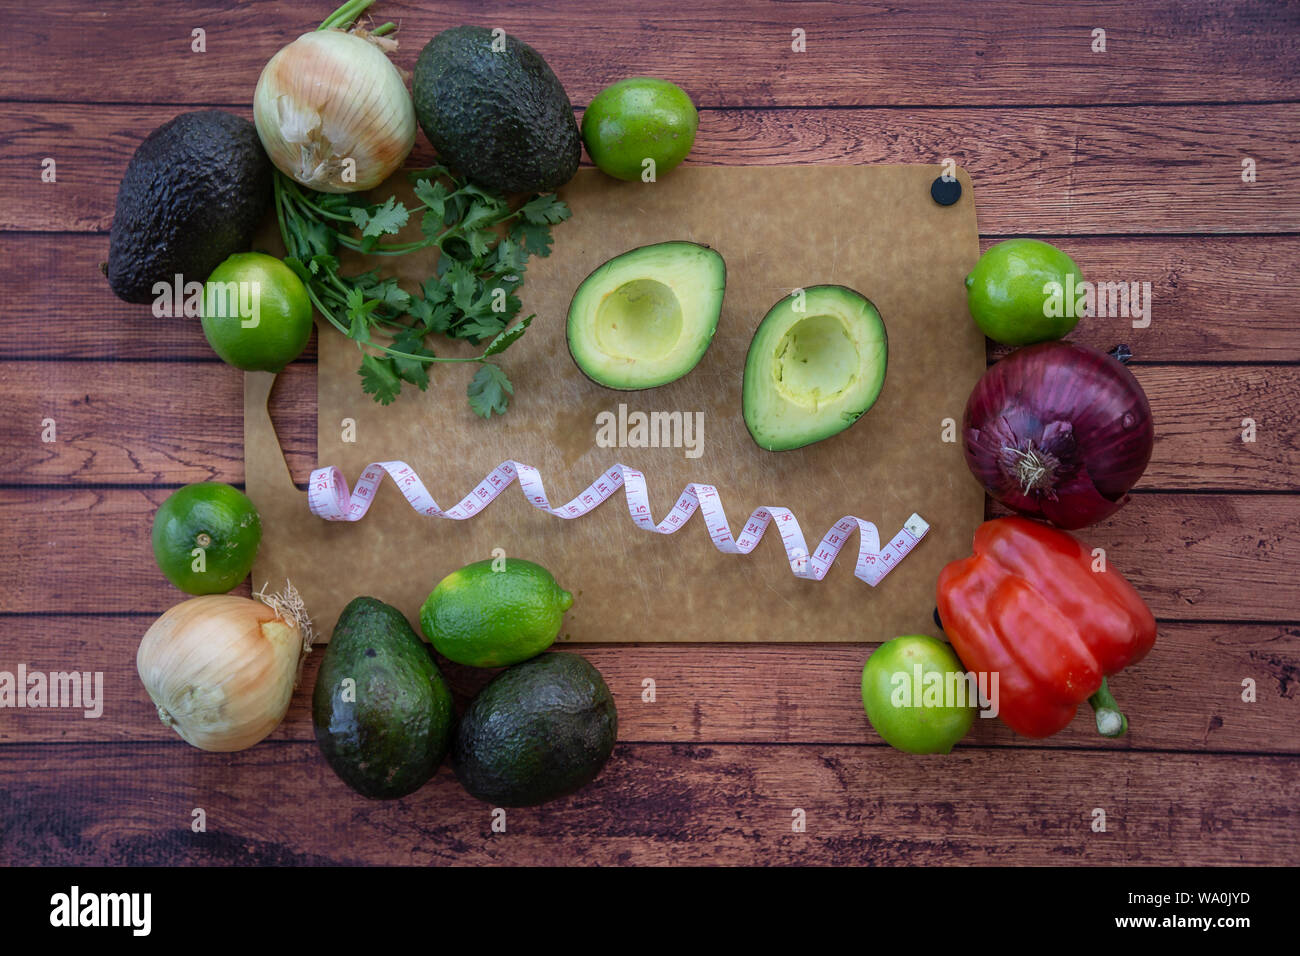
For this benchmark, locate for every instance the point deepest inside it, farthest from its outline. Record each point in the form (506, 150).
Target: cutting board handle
(261, 442)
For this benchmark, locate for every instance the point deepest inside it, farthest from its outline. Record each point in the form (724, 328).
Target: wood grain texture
(721, 52)
(144, 422)
(1129, 160)
(1217, 299)
(1192, 557)
(656, 804)
(1073, 170)
(110, 430)
(775, 694)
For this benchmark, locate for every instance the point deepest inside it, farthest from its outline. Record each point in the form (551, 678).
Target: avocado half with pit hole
(645, 318)
(815, 366)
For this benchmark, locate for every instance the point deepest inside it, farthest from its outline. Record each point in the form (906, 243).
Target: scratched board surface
(900, 249)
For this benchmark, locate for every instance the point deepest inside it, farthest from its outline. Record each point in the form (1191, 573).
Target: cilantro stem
(427, 358)
(279, 208)
(308, 204)
(384, 249)
(329, 316)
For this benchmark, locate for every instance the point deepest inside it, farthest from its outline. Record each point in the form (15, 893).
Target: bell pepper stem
(1111, 721)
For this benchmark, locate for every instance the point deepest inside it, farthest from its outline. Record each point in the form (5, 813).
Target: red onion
(1059, 431)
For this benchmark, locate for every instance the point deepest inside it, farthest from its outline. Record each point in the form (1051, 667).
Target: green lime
(205, 537)
(256, 312)
(1019, 293)
(914, 712)
(494, 613)
(638, 119)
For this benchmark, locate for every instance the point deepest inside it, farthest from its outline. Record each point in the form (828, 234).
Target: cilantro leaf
(359, 310)
(379, 378)
(507, 338)
(390, 294)
(545, 209)
(318, 238)
(433, 194)
(461, 285)
(488, 390)
(323, 261)
(480, 327)
(480, 241)
(386, 219)
(537, 238)
(482, 212)
(511, 256)
(439, 318)
(435, 290)
(300, 270)
(411, 370)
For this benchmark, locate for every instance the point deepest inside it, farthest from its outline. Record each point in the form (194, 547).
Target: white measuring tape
(329, 498)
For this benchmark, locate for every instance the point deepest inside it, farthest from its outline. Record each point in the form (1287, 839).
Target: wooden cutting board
(872, 228)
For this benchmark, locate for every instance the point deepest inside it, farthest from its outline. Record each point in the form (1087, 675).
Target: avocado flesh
(645, 318)
(539, 731)
(811, 374)
(386, 734)
(499, 116)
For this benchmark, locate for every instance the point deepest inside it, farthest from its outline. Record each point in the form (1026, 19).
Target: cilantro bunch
(483, 245)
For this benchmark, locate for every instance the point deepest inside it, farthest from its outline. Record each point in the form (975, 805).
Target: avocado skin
(391, 740)
(194, 192)
(540, 730)
(501, 119)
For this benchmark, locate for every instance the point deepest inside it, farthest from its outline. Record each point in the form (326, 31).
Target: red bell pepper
(1035, 607)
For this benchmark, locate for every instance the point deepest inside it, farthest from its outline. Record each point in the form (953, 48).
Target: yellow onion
(221, 668)
(333, 112)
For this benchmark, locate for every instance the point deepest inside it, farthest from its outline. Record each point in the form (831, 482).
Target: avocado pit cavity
(815, 361)
(644, 318)
(641, 319)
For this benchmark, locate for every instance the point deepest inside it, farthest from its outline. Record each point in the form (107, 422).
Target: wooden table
(1131, 159)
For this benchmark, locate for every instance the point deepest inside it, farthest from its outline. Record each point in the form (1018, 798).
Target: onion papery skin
(329, 96)
(220, 669)
(1058, 431)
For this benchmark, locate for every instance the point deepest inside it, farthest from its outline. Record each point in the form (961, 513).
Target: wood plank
(1193, 557)
(1075, 170)
(110, 430)
(144, 423)
(658, 804)
(1185, 696)
(1203, 416)
(914, 51)
(1222, 299)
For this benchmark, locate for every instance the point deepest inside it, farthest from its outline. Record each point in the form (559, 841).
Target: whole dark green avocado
(386, 735)
(540, 730)
(194, 193)
(500, 118)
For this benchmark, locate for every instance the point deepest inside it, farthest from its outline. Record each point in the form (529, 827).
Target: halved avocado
(645, 318)
(811, 374)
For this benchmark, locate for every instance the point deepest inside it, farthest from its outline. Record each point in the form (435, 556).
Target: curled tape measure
(329, 498)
